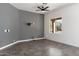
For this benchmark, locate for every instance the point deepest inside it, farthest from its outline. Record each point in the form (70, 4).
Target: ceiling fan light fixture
(43, 7)
(43, 11)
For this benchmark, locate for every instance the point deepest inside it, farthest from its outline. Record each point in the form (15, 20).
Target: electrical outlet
(7, 30)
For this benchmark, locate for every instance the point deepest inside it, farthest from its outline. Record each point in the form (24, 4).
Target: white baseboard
(26, 40)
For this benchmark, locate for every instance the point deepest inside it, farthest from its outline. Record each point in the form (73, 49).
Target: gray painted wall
(14, 19)
(36, 29)
(8, 19)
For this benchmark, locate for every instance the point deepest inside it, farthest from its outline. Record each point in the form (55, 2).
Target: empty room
(39, 29)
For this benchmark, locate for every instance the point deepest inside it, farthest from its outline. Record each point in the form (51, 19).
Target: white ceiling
(32, 7)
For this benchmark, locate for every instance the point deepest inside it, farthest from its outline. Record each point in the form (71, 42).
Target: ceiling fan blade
(39, 7)
(46, 7)
(42, 8)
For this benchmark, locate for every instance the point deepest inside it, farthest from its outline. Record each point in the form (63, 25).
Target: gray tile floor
(40, 48)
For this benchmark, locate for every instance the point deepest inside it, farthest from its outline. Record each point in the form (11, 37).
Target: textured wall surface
(37, 27)
(8, 20)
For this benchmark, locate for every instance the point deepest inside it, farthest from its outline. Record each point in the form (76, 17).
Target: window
(56, 25)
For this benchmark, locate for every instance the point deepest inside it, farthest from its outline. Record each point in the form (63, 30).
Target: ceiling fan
(43, 7)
